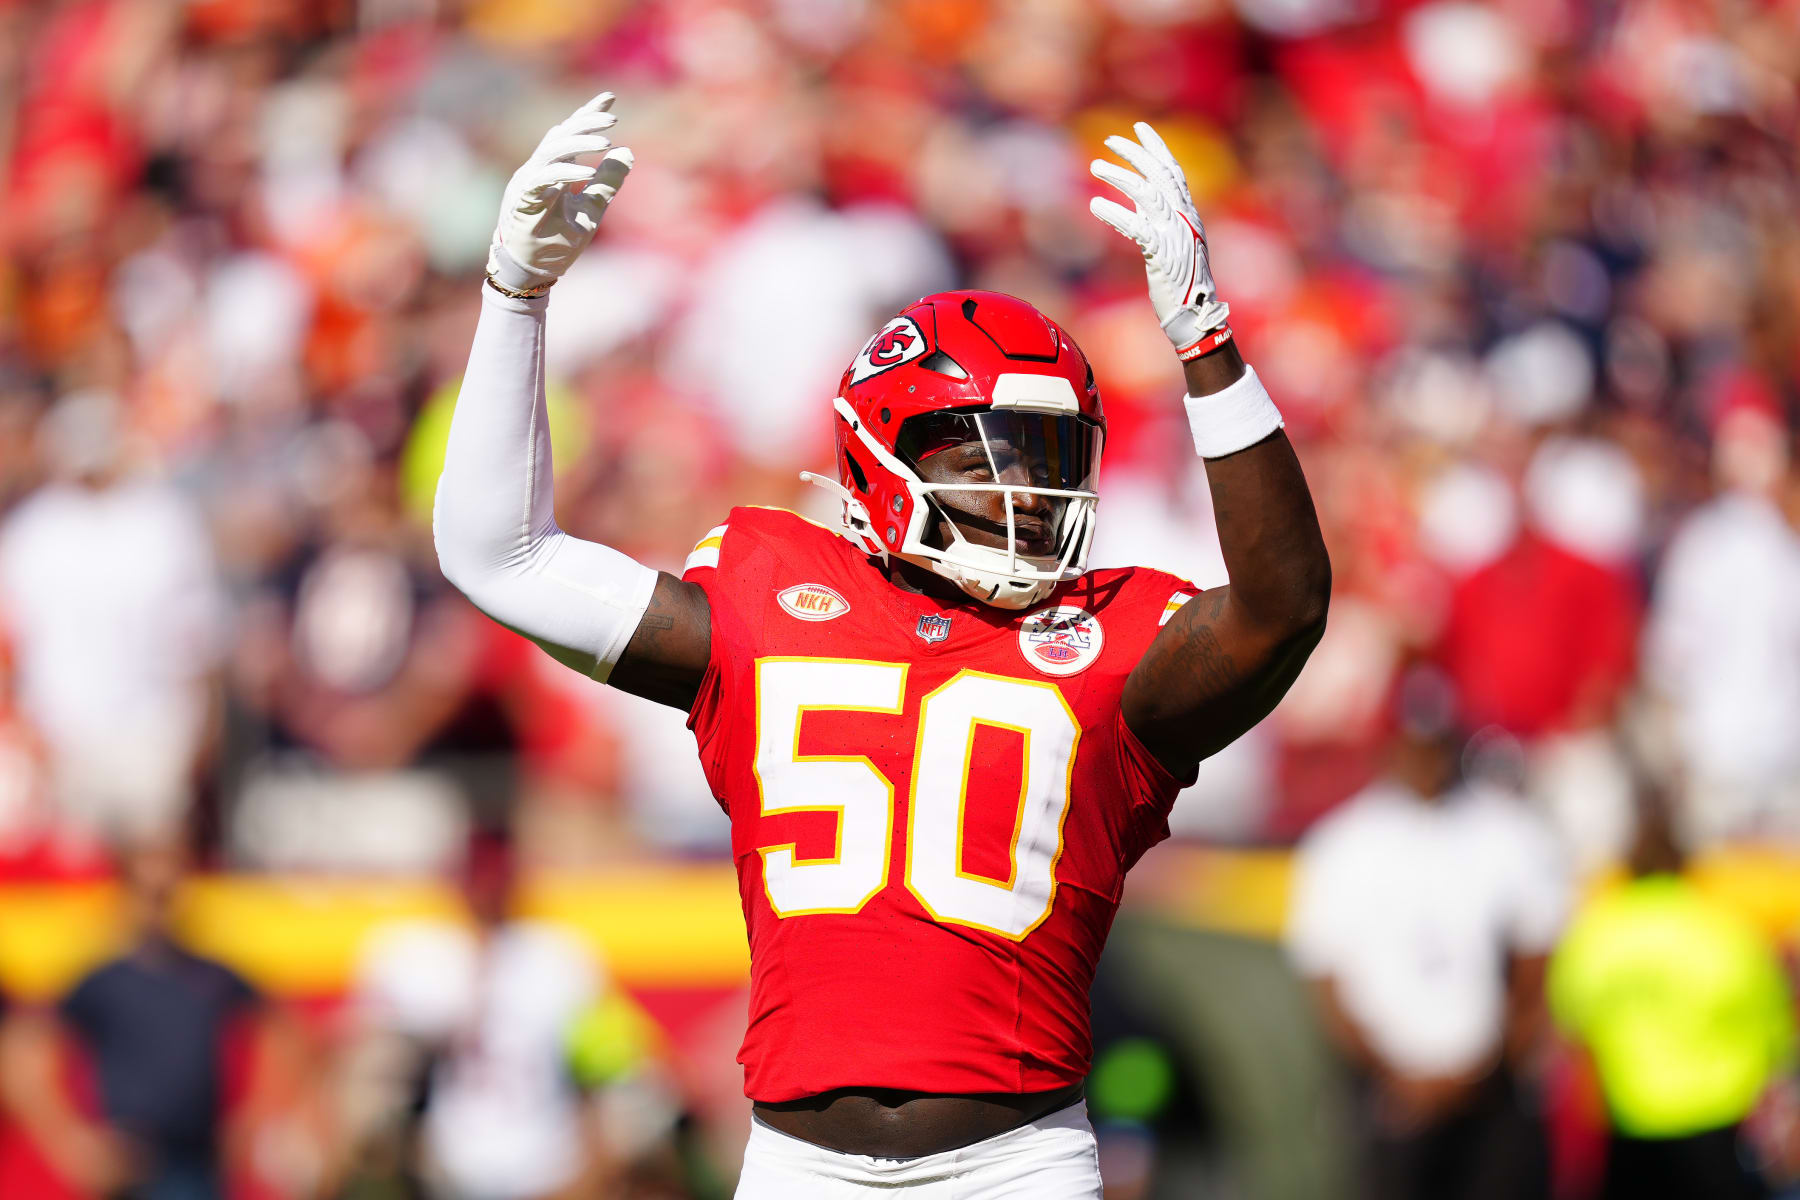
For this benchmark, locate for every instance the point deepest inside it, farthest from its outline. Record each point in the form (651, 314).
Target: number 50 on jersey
(862, 799)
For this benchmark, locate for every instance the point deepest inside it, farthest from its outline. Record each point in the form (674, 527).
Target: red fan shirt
(933, 806)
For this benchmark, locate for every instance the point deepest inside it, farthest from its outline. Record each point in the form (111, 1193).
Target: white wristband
(1228, 421)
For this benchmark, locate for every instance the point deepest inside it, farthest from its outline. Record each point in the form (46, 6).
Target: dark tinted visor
(1032, 449)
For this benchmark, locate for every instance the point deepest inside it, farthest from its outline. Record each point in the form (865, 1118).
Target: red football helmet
(962, 369)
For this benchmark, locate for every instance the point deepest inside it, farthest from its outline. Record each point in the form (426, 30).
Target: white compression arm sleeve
(494, 522)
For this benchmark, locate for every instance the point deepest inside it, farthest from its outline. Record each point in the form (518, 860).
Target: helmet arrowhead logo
(900, 341)
(890, 347)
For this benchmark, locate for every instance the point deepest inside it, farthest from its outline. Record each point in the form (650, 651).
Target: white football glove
(553, 204)
(1167, 229)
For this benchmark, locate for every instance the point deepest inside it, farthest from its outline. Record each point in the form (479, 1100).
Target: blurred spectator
(360, 669)
(473, 1026)
(109, 591)
(661, 789)
(845, 271)
(164, 1031)
(1540, 640)
(1686, 1013)
(1575, 641)
(633, 1110)
(1724, 642)
(1423, 914)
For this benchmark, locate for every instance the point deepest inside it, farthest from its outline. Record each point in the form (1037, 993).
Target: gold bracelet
(528, 294)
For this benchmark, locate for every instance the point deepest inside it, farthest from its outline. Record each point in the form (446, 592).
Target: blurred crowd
(1523, 275)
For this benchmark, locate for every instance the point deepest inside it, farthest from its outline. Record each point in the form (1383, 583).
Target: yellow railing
(663, 925)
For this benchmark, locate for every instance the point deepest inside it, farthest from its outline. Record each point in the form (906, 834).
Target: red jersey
(933, 807)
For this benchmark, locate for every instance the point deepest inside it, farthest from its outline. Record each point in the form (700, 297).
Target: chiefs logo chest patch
(1061, 641)
(812, 602)
(900, 341)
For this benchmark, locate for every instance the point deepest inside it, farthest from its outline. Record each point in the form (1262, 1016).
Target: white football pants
(1053, 1158)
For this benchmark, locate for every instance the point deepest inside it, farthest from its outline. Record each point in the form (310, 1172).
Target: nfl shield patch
(934, 627)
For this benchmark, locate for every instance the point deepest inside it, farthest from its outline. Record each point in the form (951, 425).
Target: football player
(940, 739)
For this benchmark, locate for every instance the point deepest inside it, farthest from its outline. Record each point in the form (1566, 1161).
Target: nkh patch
(1061, 640)
(812, 602)
(934, 627)
(899, 341)
(1174, 606)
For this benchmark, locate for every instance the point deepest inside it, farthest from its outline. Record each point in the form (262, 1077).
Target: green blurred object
(422, 458)
(609, 1041)
(1682, 1004)
(1241, 1028)
(1134, 1080)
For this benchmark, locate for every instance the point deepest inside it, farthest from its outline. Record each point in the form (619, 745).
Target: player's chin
(1032, 544)
(1036, 538)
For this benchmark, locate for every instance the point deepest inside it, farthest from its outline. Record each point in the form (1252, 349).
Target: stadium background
(1522, 275)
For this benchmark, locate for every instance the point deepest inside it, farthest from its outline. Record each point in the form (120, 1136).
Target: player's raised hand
(1166, 227)
(554, 202)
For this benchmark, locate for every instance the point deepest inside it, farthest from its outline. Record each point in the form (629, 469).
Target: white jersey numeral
(948, 719)
(863, 798)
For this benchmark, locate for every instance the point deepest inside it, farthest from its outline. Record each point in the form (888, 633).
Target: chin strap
(994, 593)
(857, 526)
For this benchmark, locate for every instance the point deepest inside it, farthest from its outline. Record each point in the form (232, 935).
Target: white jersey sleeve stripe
(1174, 606)
(706, 550)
